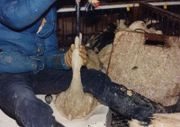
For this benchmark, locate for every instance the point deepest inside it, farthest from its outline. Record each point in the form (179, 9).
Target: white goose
(74, 103)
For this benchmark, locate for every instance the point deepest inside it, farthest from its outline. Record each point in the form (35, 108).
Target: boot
(129, 103)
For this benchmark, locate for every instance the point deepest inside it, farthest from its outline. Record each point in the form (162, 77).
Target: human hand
(82, 53)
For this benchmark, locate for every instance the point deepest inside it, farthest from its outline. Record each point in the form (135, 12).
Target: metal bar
(78, 17)
(120, 5)
(158, 11)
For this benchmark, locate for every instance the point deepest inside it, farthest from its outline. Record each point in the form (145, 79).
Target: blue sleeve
(18, 14)
(56, 61)
(53, 57)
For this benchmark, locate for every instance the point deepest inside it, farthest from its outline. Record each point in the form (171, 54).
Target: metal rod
(78, 17)
(119, 5)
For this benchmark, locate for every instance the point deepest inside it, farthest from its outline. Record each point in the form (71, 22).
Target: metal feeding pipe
(78, 22)
(90, 5)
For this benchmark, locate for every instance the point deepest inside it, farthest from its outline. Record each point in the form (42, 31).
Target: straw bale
(152, 71)
(104, 56)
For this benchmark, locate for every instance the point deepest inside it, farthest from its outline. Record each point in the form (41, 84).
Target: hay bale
(152, 71)
(104, 56)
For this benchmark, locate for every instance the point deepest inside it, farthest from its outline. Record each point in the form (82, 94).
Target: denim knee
(20, 91)
(33, 113)
(30, 111)
(18, 100)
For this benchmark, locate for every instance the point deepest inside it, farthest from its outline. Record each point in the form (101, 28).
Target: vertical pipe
(77, 17)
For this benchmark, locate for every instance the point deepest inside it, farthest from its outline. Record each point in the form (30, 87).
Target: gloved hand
(68, 55)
